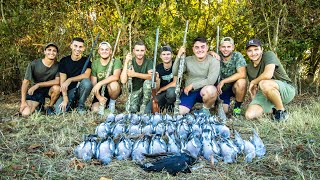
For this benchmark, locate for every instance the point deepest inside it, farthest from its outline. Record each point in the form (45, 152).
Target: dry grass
(40, 147)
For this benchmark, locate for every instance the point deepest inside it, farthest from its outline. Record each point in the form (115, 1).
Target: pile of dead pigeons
(135, 137)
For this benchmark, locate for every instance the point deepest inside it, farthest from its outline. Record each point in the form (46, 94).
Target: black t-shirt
(72, 68)
(166, 76)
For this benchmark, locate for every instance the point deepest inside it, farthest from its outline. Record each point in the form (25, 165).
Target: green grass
(41, 147)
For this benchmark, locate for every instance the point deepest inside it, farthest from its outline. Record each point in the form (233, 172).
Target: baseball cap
(227, 39)
(105, 43)
(51, 44)
(165, 48)
(253, 42)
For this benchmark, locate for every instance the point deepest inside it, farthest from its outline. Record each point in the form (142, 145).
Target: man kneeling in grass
(270, 87)
(44, 74)
(98, 78)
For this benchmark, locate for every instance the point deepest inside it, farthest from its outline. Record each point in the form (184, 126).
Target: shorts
(39, 95)
(189, 100)
(227, 94)
(287, 93)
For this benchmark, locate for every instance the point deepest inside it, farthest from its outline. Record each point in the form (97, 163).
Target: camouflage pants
(138, 100)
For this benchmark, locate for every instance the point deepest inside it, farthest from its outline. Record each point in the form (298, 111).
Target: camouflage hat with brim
(51, 44)
(226, 39)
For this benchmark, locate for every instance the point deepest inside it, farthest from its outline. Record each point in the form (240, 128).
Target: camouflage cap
(51, 44)
(227, 39)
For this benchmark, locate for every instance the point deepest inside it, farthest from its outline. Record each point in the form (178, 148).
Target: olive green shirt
(38, 72)
(147, 65)
(268, 58)
(100, 71)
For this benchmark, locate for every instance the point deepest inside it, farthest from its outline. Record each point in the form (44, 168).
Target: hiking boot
(50, 111)
(81, 110)
(237, 111)
(280, 115)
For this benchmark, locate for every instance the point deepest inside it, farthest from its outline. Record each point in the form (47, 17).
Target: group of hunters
(208, 76)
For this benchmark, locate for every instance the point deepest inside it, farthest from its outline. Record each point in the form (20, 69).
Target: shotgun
(221, 113)
(103, 88)
(155, 105)
(82, 71)
(180, 74)
(129, 66)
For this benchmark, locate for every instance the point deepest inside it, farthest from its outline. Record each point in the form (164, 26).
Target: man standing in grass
(70, 68)
(44, 74)
(270, 87)
(140, 72)
(98, 78)
(233, 76)
(166, 82)
(202, 73)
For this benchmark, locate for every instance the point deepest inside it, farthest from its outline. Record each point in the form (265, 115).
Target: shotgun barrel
(155, 105)
(221, 114)
(129, 66)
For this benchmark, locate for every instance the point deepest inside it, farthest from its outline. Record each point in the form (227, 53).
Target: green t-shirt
(268, 58)
(137, 83)
(230, 67)
(100, 71)
(38, 72)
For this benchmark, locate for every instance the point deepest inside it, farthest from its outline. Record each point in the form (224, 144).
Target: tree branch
(2, 13)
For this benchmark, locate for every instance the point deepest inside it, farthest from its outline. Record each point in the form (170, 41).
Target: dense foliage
(290, 28)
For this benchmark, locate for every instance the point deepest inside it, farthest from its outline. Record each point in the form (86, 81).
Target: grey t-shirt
(38, 72)
(199, 74)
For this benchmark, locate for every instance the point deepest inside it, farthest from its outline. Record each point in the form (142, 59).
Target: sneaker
(280, 115)
(237, 111)
(50, 111)
(81, 110)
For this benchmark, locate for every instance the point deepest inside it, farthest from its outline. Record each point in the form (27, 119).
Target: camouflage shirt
(230, 67)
